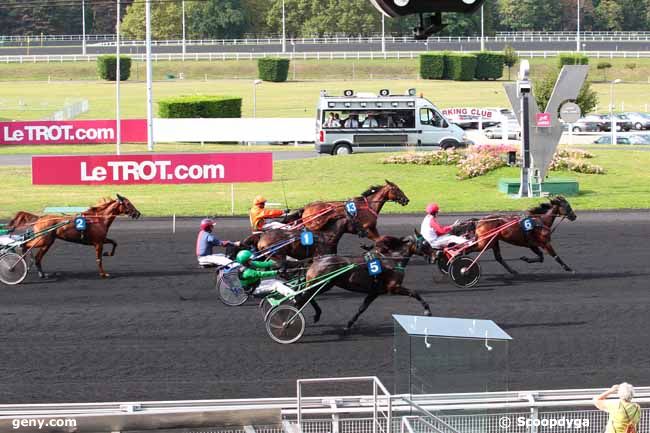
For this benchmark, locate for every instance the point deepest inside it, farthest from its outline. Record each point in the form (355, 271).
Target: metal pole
(284, 30)
(83, 27)
(611, 112)
(183, 9)
(383, 34)
(118, 78)
(578, 26)
(254, 99)
(482, 29)
(524, 190)
(149, 77)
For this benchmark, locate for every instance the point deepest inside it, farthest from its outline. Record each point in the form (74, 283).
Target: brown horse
(543, 218)
(326, 241)
(98, 219)
(396, 256)
(315, 215)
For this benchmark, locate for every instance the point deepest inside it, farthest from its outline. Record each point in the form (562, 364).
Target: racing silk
(258, 214)
(205, 241)
(430, 228)
(257, 271)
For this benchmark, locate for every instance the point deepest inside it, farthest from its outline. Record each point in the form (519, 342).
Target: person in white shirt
(370, 122)
(351, 122)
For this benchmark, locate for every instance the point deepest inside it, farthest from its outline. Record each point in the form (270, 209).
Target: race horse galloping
(537, 239)
(98, 219)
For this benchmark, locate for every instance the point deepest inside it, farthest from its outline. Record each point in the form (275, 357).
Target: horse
(22, 219)
(543, 217)
(395, 257)
(98, 219)
(368, 206)
(326, 241)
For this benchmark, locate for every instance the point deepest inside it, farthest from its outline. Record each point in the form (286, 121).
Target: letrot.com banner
(152, 169)
(72, 132)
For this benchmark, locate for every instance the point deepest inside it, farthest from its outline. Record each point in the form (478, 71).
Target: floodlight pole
(383, 34)
(578, 26)
(482, 29)
(83, 27)
(118, 78)
(149, 76)
(284, 30)
(183, 23)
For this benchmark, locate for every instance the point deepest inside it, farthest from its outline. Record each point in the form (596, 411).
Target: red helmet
(432, 208)
(207, 224)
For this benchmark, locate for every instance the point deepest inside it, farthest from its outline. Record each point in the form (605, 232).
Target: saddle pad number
(80, 224)
(351, 208)
(307, 238)
(528, 225)
(374, 267)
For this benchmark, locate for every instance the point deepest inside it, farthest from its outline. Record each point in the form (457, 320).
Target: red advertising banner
(71, 132)
(152, 169)
(543, 120)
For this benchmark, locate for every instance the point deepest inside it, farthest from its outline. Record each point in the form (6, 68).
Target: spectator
(624, 416)
(352, 121)
(370, 122)
(332, 121)
(337, 120)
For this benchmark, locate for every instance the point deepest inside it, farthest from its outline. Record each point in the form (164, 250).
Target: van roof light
(348, 92)
(384, 92)
(412, 91)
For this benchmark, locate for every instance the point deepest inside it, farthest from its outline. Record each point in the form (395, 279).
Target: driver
(206, 241)
(436, 235)
(258, 277)
(259, 213)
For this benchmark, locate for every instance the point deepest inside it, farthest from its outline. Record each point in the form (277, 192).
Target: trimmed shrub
(460, 67)
(107, 67)
(432, 66)
(200, 107)
(273, 69)
(572, 59)
(489, 65)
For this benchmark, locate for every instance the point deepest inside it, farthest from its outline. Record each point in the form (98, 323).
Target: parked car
(639, 120)
(639, 139)
(496, 132)
(607, 139)
(621, 121)
(589, 123)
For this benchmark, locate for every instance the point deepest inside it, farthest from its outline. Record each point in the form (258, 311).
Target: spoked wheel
(443, 264)
(463, 273)
(229, 289)
(285, 324)
(13, 268)
(265, 306)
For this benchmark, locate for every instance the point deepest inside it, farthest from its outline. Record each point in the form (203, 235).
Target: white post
(118, 78)
(383, 34)
(611, 112)
(232, 198)
(183, 24)
(173, 223)
(578, 26)
(149, 77)
(83, 27)
(254, 99)
(482, 29)
(284, 30)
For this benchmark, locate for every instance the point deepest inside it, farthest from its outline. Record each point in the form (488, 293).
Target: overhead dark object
(431, 24)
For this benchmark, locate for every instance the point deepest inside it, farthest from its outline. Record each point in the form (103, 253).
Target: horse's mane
(387, 244)
(541, 209)
(102, 205)
(21, 218)
(371, 190)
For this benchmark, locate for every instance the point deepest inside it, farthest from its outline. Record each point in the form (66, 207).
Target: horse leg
(551, 252)
(99, 247)
(364, 306)
(496, 249)
(112, 242)
(403, 291)
(536, 250)
(317, 310)
(39, 257)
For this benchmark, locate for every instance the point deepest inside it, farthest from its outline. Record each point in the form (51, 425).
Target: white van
(382, 123)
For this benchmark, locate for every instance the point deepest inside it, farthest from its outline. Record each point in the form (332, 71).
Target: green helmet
(243, 256)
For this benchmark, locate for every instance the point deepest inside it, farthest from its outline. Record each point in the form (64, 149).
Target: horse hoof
(427, 313)
(104, 275)
(43, 275)
(513, 272)
(106, 255)
(525, 259)
(346, 330)
(316, 319)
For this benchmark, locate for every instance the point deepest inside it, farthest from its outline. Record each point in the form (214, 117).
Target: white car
(496, 132)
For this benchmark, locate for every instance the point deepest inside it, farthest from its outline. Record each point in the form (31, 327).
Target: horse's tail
(21, 219)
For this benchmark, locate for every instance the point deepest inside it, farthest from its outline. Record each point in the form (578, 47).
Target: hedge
(273, 69)
(107, 65)
(432, 66)
(460, 67)
(489, 65)
(200, 106)
(572, 59)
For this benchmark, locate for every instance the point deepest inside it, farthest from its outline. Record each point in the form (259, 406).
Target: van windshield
(368, 119)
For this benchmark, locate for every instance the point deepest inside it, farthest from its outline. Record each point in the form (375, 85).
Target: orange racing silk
(257, 216)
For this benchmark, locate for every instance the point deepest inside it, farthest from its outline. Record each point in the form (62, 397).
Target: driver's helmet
(259, 200)
(432, 208)
(243, 256)
(207, 224)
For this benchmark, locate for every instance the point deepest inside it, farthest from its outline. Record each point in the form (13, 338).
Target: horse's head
(394, 193)
(417, 245)
(125, 207)
(563, 207)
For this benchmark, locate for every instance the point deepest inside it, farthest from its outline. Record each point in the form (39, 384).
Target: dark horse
(326, 241)
(98, 218)
(315, 215)
(394, 259)
(537, 240)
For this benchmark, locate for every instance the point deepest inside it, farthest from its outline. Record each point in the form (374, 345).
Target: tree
(531, 14)
(587, 97)
(217, 19)
(510, 58)
(604, 66)
(609, 15)
(165, 20)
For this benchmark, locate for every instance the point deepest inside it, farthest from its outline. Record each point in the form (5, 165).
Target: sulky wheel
(463, 273)
(265, 306)
(443, 264)
(229, 289)
(285, 324)
(13, 268)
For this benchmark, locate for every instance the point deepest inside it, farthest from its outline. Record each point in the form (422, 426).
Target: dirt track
(79, 338)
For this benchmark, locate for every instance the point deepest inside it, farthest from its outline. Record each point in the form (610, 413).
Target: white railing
(318, 55)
